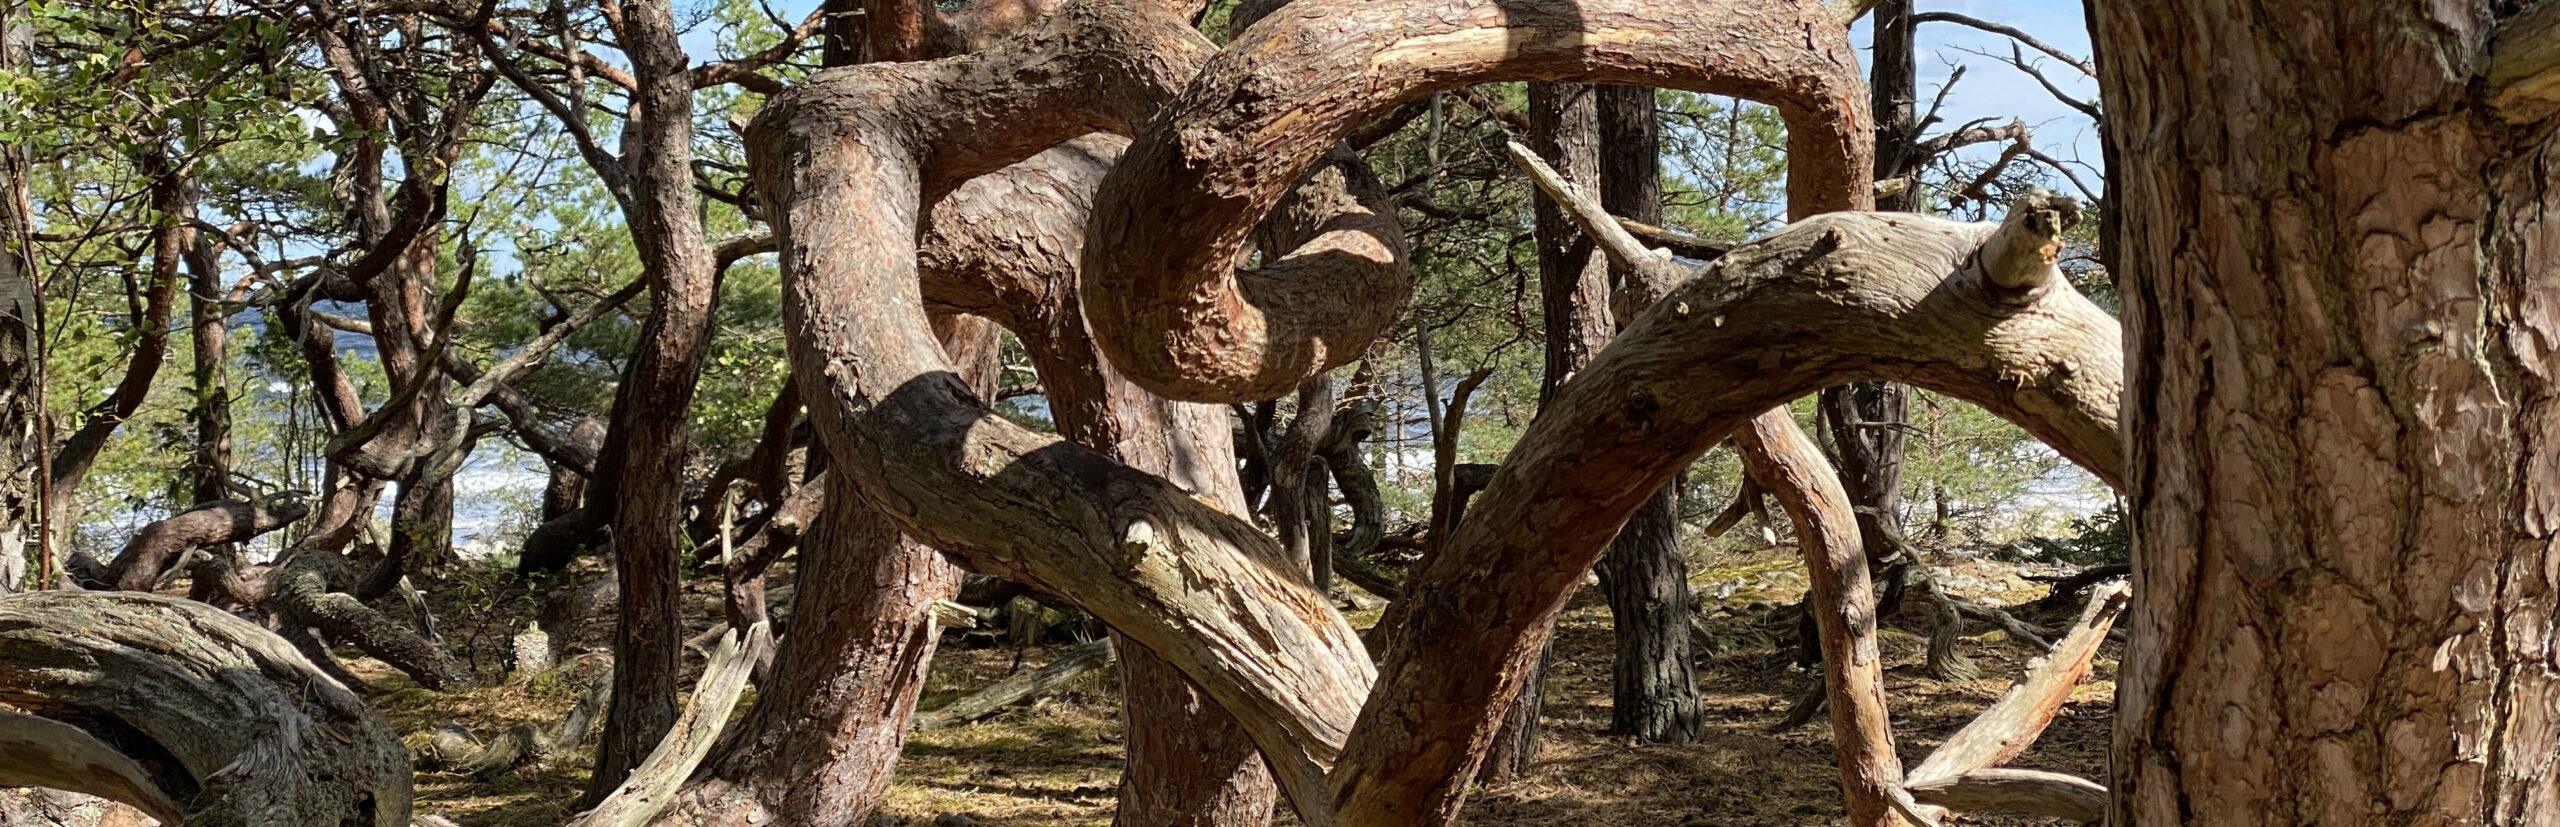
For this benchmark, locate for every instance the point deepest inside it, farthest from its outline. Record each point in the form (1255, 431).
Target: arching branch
(1937, 304)
(1167, 302)
(845, 162)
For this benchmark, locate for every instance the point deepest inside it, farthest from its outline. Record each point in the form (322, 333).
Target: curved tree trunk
(216, 721)
(173, 197)
(1007, 243)
(160, 545)
(1843, 604)
(2335, 244)
(842, 159)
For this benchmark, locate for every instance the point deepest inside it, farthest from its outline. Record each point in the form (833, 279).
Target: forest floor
(1056, 761)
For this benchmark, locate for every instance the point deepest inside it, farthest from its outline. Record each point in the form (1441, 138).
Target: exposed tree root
(305, 594)
(454, 750)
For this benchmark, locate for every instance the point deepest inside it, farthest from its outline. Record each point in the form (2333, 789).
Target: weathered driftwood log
(160, 545)
(453, 749)
(1021, 686)
(653, 784)
(1961, 774)
(2034, 792)
(46, 807)
(219, 722)
(42, 752)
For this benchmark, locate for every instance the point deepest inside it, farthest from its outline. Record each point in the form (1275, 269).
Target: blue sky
(1993, 89)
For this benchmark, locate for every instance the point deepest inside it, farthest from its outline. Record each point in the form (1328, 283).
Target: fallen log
(2034, 792)
(1962, 774)
(654, 783)
(2012, 723)
(222, 719)
(1021, 686)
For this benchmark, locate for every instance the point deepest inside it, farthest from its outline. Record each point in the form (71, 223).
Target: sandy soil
(1057, 761)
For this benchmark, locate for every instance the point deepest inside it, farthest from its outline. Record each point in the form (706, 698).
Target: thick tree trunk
(1564, 126)
(562, 491)
(824, 736)
(642, 477)
(1653, 685)
(2337, 262)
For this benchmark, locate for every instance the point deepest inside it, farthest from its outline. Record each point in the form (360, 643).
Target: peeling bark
(2346, 500)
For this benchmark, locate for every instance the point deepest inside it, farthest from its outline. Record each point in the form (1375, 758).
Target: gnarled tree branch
(224, 719)
(1167, 303)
